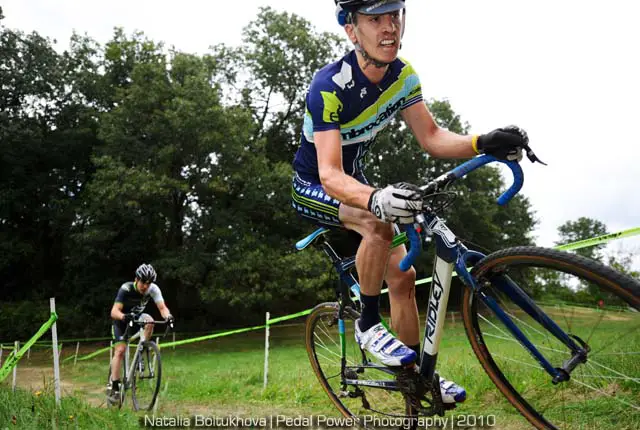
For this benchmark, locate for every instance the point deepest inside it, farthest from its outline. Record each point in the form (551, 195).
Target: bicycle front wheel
(595, 305)
(146, 377)
(372, 406)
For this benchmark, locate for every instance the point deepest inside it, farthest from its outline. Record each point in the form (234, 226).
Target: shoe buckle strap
(446, 385)
(388, 341)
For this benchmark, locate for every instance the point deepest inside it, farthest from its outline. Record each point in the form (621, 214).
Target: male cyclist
(129, 305)
(348, 103)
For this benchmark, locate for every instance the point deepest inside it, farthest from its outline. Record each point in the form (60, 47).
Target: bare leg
(116, 362)
(402, 297)
(373, 253)
(148, 328)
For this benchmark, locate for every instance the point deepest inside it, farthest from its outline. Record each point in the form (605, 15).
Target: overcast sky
(566, 71)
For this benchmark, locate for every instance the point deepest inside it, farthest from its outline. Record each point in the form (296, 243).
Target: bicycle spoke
(564, 316)
(518, 361)
(594, 328)
(607, 394)
(592, 363)
(324, 331)
(514, 340)
(605, 386)
(327, 352)
(617, 339)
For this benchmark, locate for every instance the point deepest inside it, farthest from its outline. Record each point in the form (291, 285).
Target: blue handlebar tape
(474, 163)
(414, 251)
(518, 180)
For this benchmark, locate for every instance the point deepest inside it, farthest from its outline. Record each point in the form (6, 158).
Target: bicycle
(143, 373)
(544, 358)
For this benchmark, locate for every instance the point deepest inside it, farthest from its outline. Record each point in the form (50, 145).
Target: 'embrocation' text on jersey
(342, 97)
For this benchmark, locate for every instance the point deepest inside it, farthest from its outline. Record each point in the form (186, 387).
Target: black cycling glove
(504, 143)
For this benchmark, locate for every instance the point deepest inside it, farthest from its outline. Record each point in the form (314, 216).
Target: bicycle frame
(452, 255)
(129, 366)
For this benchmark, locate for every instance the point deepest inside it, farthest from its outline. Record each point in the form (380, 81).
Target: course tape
(207, 337)
(573, 246)
(599, 239)
(399, 239)
(13, 359)
(84, 339)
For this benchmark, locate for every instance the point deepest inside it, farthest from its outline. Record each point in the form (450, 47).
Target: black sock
(370, 311)
(418, 351)
(115, 385)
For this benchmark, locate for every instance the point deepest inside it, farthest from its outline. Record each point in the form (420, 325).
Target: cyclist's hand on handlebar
(396, 203)
(129, 317)
(170, 320)
(504, 143)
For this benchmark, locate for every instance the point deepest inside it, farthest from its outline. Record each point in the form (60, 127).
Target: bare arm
(116, 312)
(335, 181)
(164, 310)
(436, 141)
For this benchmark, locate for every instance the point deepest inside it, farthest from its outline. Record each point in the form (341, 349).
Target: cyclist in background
(131, 300)
(348, 104)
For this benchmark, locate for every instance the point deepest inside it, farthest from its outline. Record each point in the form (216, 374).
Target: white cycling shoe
(391, 352)
(452, 392)
(384, 346)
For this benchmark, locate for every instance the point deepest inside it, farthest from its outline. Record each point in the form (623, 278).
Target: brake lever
(532, 156)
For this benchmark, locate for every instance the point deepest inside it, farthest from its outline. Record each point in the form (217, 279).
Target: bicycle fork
(579, 349)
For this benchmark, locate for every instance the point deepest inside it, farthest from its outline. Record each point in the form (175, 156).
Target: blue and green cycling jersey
(342, 98)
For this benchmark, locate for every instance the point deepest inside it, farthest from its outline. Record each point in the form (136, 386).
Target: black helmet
(344, 8)
(146, 273)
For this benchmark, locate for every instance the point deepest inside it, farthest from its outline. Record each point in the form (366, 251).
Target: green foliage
(26, 410)
(622, 261)
(581, 229)
(281, 52)
(128, 152)
(47, 133)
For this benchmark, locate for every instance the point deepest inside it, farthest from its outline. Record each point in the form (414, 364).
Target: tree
(623, 261)
(280, 53)
(118, 154)
(166, 140)
(581, 229)
(46, 138)
(258, 265)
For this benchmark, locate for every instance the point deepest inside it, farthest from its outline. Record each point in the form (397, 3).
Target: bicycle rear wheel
(373, 407)
(146, 377)
(590, 302)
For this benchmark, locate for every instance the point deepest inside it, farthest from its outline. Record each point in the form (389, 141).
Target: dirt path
(40, 379)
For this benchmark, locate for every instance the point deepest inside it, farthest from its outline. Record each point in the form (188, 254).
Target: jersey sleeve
(323, 105)
(156, 294)
(121, 294)
(412, 86)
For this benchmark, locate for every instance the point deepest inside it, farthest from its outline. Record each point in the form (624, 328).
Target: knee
(118, 351)
(377, 231)
(147, 318)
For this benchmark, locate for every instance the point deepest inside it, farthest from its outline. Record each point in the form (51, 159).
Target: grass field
(224, 377)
